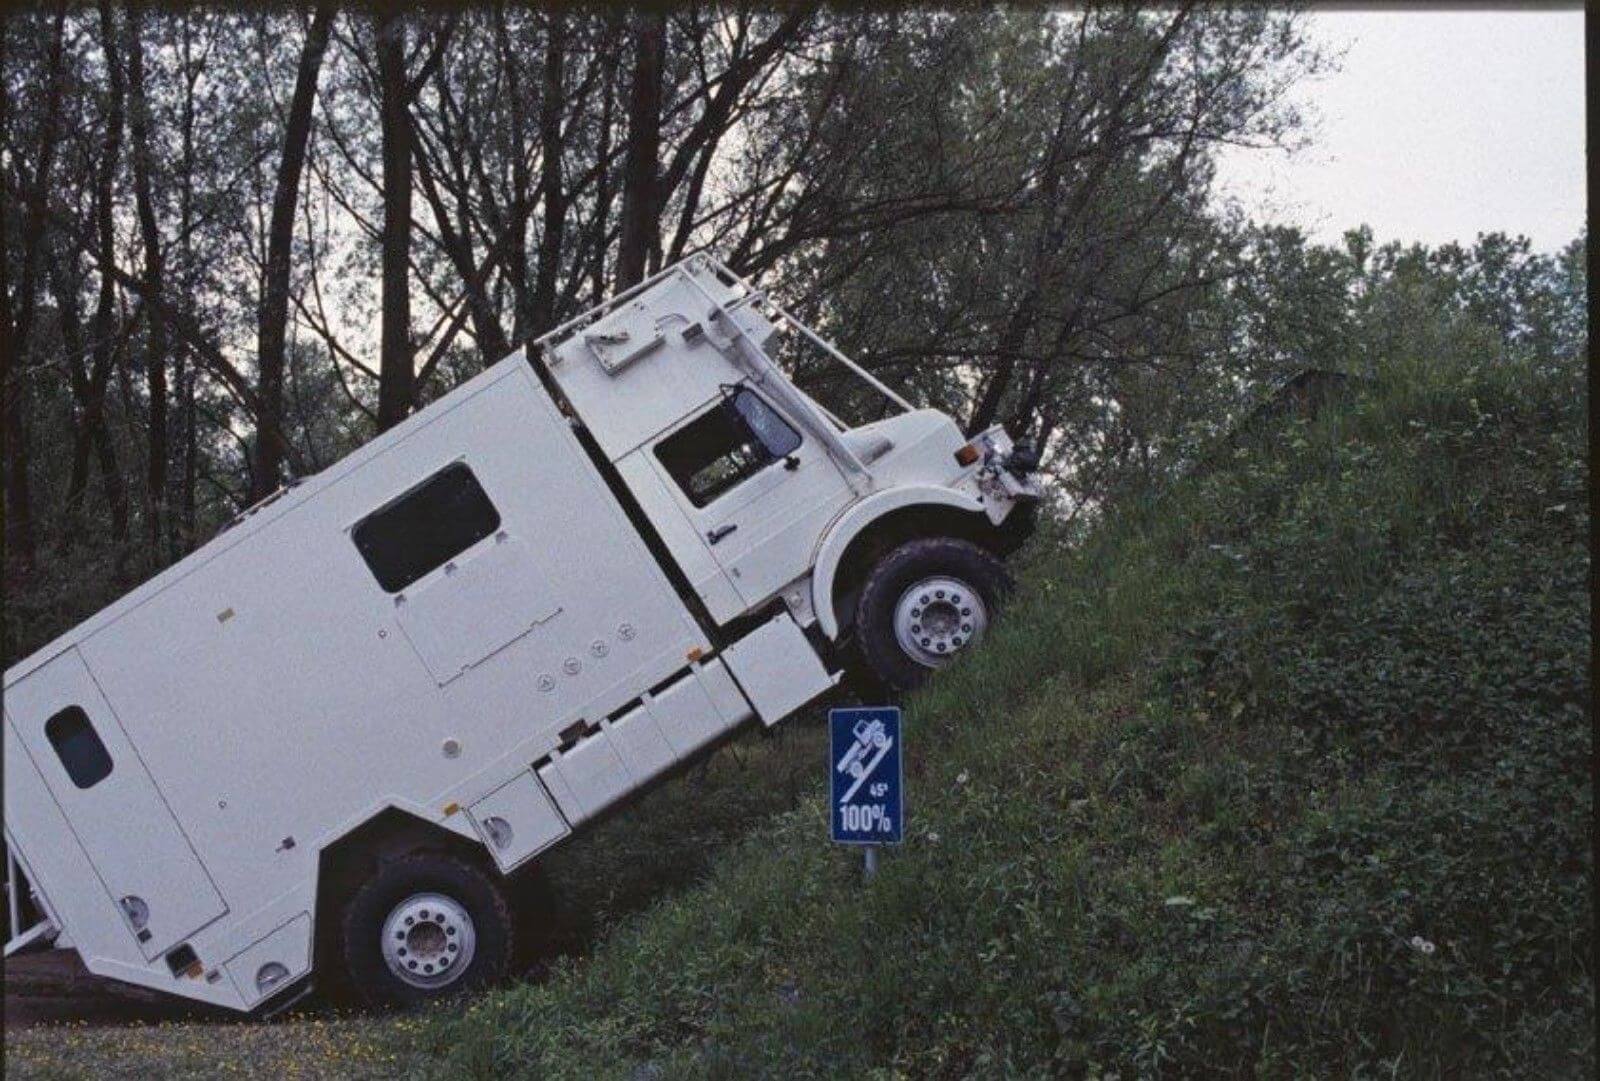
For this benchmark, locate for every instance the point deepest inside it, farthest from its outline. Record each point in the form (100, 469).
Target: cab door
(150, 873)
(756, 490)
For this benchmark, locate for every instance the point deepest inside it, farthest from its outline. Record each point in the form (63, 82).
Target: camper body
(321, 738)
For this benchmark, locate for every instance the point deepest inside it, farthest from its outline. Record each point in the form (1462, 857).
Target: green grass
(1282, 771)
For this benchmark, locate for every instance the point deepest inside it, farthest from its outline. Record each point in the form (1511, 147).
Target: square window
(734, 440)
(426, 527)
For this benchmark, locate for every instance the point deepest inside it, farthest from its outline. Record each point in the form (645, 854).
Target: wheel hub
(937, 618)
(428, 940)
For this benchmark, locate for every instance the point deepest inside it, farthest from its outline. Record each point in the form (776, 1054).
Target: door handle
(713, 536)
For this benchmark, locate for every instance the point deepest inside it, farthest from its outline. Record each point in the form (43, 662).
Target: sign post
(867, 793)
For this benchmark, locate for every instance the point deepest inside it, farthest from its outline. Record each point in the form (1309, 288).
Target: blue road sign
(868, 790)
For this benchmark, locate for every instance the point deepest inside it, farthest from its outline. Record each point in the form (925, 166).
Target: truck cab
(761, 495)
(322, 741)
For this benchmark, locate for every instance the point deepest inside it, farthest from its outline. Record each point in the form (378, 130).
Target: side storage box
(273, 962)
(777, 668)
(518, 820)
(661, 731)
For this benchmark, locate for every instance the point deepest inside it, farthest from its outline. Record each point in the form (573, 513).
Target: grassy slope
(1282, 771)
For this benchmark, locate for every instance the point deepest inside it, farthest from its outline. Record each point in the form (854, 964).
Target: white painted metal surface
(274, 691)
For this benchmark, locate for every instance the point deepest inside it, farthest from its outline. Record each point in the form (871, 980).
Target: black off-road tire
(896, 572)
(479, 892)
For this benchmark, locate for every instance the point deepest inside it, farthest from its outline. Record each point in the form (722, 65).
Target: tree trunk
(156, 340)
(396, 373)
(455, 236)
(65, 290)
(550, 190)
(181, 531)
(1006, 352)
(16, 322)
(640, 224)
(273, 317)
(600, 221)
(105, 347)
(19, 500)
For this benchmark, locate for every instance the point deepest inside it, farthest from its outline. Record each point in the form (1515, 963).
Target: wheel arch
(878, 523)
(389, 833)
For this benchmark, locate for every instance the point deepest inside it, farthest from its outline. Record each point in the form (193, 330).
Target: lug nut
(966, 628)
(966, 611)
(940, 647)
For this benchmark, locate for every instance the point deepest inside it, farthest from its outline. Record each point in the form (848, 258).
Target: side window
(425, 528)
(78, 746)
(733, 440)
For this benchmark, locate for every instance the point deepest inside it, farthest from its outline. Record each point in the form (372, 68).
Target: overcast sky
(1438, 125)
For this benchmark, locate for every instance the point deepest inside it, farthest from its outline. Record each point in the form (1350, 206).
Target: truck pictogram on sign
(867, 780)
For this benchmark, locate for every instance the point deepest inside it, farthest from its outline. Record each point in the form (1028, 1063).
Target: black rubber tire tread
(891, 575)
(482, 894)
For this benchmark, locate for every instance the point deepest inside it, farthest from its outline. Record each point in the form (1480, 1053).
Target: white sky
(1437, 125)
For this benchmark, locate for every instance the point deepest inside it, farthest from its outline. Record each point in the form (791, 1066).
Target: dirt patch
(53, 986)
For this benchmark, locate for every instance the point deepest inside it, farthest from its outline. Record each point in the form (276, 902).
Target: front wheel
(426, 926)
(923, 604)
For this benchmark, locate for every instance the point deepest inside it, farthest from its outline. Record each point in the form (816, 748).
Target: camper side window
(425, 528)
(735, 439)
(78, 746)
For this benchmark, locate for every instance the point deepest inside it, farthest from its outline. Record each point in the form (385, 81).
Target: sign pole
(871, 852)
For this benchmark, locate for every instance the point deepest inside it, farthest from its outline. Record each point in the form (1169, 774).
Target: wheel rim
(938, 618)
(428, 940)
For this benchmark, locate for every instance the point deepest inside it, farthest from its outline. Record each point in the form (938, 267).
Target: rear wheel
(925, 603)
(425, 927)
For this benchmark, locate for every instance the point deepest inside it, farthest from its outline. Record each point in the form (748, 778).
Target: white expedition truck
(325, 737)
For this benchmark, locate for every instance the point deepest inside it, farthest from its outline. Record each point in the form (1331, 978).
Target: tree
(639, 195)
(272, 322)
(150, 233)
(18, 298)
(396, 374)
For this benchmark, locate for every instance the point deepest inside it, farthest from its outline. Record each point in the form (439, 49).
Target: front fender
(860, 515)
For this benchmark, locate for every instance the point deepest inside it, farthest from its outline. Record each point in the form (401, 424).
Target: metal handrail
(44, 928)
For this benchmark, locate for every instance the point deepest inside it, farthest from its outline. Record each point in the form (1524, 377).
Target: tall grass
(1279, 770)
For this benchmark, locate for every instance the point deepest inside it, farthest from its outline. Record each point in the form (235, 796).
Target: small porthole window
(78, 746)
